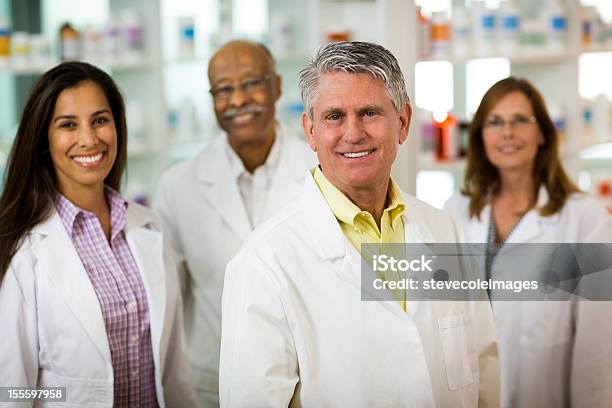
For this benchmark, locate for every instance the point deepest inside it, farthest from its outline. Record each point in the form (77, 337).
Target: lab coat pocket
(454, 347)
(80, 392)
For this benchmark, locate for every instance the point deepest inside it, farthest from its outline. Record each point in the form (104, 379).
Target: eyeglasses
(248, 86)
(518, 122)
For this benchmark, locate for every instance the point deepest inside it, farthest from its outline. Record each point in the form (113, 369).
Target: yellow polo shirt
(359, 226)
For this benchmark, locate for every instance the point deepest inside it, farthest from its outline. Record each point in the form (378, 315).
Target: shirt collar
(69, 212)
(345, 210)
(271, 162)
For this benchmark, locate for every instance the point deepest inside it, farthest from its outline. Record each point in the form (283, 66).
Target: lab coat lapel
(334, 247)
(220, 188)
(147, 248)
(476, 230)
(530, 227)
(287, 180)
(58, 256)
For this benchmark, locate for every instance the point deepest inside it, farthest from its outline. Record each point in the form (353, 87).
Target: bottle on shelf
(439, 34)
(483, 29)
(533, 36)
(602, 124)
(40, 55)
(604, 193)
(20, 49)
(557, 113)
(446, 138)
(69, 42)
(282, 33)
(427, 137)
(591, 31)
(5, 42)
(423, 34)
(556, 26)
(509, 28)
(111, 42)
(337, 32)
(608, 27)
(187, 126)
(136, 125)
(461, 33)
(90, 43)
(131, 36)
(186, 37)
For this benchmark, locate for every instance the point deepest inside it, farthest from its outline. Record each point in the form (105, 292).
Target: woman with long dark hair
(552, 354)
(89, 297)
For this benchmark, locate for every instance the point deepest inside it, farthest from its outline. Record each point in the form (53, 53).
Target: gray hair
(353, 57)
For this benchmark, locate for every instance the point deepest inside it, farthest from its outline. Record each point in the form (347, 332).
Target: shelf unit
(140, 81)
(555, 75)
(391, 23)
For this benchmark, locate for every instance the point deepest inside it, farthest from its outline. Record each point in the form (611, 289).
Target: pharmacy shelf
(588, 148)
(521, 58)
(597, 151)
(187, 60)
(118, 65)
(597, 48)
(451, 165)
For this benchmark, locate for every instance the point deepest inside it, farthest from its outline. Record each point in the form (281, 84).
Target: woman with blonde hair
(552, 354)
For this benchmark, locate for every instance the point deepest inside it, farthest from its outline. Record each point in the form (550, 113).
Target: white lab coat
(552, 354)
(203, 215)
(295, 331)
(53, 332)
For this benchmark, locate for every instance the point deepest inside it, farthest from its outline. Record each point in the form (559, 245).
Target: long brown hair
(30, 179)
(482, 177)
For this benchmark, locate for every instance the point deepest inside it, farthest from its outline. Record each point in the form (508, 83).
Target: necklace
(493, 247)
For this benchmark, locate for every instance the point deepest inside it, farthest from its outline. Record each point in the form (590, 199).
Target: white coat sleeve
(164, 207)
(177, 375)
(19, 327)
(258, 362)
(591, 378)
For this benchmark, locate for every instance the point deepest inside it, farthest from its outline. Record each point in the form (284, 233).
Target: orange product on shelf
(604, 193)
(5, 39)
(338, 35)
(447, 136)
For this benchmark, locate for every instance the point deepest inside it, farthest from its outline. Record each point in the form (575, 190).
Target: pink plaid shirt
(115, 277)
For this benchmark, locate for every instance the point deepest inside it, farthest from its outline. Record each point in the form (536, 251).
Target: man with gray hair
(295, 331)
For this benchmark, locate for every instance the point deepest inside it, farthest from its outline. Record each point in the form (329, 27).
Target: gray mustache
(231, 112)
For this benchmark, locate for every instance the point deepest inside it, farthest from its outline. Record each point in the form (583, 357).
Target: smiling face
(512, 147)
(82, 139)
(355, 131)
(245, 89)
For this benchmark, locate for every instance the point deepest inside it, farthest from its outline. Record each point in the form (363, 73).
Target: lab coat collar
(221, 190)
(321, 222)
(220, 187)
(328, 235)
(528, 229)
(415, 229)
(54, 249)
(210, 170)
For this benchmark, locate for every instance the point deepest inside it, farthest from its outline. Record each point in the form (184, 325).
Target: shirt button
(134, 339)
(135, 374)
(131, 306)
